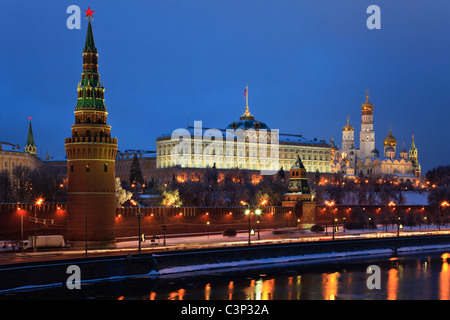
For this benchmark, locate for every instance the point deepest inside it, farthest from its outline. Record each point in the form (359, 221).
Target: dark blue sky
(307, 64)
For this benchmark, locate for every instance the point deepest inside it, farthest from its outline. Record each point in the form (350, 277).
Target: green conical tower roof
(30, 146)
(413, 144)
(89, 45)
(30, 138)
(298, 163)
(90, 89)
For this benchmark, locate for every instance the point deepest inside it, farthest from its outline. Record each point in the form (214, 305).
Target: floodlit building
(367, 160)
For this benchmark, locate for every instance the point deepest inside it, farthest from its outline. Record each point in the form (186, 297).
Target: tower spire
(247, 115)
(89, 44)
(30, 146)
(90, 89)
(413, 157)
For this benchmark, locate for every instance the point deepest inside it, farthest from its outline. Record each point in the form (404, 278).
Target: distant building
(147, 163)
(12, 156)
(367, 160)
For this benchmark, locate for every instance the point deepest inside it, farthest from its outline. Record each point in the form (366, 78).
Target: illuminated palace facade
(253, 146)
(367, 160)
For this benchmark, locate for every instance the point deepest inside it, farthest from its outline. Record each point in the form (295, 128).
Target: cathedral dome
(390, 140)
(403, 152)
(247, 121)
(367, 106)
(374, 153)
(348, 127)
(389, 152)
(246, 124)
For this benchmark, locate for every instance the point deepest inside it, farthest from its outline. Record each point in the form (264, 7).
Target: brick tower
(91, 154)
(299, 195)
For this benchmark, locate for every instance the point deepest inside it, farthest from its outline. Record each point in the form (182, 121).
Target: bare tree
(5, 187)
(21, 184)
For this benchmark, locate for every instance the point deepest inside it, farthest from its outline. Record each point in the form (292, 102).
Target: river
(424, 276)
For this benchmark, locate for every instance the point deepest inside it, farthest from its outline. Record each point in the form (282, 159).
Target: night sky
(307, 63)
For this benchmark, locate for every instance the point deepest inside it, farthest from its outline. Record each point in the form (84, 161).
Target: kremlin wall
(193, 220)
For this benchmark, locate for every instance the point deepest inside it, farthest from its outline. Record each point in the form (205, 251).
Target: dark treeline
(438, 180)
(229, 188)
(25, 185)
(360, 190)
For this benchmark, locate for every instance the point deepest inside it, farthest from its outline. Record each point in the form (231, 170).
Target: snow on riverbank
(323, 257)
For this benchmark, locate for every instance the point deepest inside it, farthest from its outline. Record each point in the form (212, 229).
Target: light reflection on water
(425, 276)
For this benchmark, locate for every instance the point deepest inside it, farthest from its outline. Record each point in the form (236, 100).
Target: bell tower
(91, 154)
(367, 135)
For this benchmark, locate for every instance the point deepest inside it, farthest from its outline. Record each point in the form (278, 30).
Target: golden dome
(348, 127)
(390, 140)
(367, 105)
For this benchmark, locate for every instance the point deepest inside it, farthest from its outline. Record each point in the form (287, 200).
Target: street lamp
(38, 203)
(164, 227)
(247, 212)
(330, 204)
(443, 205)
(139, 214)
(258, 213)
(21, 225)
(399, 226)
(392, 205)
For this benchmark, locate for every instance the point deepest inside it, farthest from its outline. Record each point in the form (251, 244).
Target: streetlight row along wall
(195, 211)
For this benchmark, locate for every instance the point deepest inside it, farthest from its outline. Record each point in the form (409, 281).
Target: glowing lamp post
(247, 212)
(331, 204)
(38, 203)
(443, 205)
(258, 213)
(139, 214)
(21, 225)
(392, 205)
(399, 226)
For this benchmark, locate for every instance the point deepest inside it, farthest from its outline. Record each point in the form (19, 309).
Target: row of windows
(88, 167)
(90, 58)
(253, 151)
(322, 167)
(281, 149)
(87, 76)
(98, 93)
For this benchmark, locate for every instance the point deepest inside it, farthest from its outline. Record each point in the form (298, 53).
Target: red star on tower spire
(89, 13)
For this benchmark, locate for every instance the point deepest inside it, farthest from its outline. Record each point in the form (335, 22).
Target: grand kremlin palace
(244, 154)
